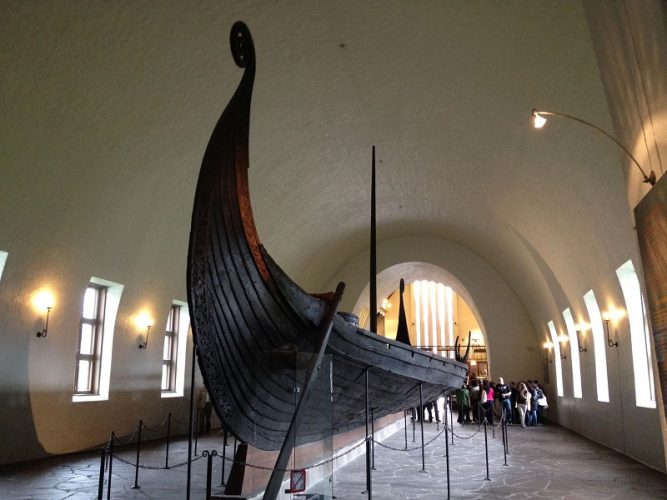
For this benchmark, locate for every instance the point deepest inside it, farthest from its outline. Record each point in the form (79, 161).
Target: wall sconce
(563, 340)
(547, 350)
(144, 321)
(44, 331)
(539, 121)
(44, 300)
(386, 305)
(581, 332)
(607, 316)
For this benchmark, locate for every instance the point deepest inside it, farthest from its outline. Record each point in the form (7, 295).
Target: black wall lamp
(143, 320)
(581, 332)
(607, 316)
(43, 300)
(44, 331)
(562, 340)
(547, 351)
(539, 121)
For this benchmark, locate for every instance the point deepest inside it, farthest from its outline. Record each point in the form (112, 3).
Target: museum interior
(519, 150)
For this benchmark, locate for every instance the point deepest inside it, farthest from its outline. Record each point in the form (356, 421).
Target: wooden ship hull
(257, 333)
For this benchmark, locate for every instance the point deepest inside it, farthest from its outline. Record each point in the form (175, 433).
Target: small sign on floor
(297, 481)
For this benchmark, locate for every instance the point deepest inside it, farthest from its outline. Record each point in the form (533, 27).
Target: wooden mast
(372, 305)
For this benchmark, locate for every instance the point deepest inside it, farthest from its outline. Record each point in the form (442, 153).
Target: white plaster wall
(512, 348)
(107, 107)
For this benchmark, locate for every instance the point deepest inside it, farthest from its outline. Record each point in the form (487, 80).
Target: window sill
(83, 398)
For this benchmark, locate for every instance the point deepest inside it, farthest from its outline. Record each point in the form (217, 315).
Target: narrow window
(557, 358)
(599, 347)
(3, 259)
(92, 373)
(574, 352)
(170, 350)
(89, 350)
(639, 336)
(173, 350)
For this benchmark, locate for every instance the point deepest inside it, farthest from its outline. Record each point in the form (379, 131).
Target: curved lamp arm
(539, 121)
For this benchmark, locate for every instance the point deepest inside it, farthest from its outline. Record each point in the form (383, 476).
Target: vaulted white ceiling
(107, 109)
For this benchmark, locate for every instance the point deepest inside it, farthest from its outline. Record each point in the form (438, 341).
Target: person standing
(474, 400)
(522, 401)
(487, 398)
(515, 391)
(504, 394)
(532, 389)
(463, 398)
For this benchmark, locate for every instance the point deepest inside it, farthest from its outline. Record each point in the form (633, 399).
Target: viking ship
(260, 339)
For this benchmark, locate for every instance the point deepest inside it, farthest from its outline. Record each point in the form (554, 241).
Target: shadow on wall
(18, 436)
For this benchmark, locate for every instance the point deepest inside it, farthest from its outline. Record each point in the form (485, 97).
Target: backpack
(484, 399)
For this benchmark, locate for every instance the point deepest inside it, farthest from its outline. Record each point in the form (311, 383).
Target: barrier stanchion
(504, 429)
(369, 480)
(136, 468)
(224, 452)
(209, 469)
(486, 449)
(372, 440)
(196, 424)
(447, 450)
(113, 437)
(451, 418)
(166, 460)
(100, 487)
(421, 421)
(405, 427)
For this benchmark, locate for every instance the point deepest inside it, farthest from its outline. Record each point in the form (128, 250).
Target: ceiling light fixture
(539, 121)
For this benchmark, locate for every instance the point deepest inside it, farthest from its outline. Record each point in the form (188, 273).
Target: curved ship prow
(252, 324)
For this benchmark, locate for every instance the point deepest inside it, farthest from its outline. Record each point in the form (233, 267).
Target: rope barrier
(155, 467)
(160, 426)
(127, 440)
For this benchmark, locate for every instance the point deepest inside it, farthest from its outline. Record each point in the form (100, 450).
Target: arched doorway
(438, 308)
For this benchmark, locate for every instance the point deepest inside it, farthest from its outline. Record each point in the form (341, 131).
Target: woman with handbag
(522, 401)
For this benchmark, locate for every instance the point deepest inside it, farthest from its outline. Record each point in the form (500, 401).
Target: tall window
(3, 259)
(574, 352)
(639, 336)
(170, 350)
(599, 347)
(91, 331)
(174, 349)
(92, 374)
(557, 358)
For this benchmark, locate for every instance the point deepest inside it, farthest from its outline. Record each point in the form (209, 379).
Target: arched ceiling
(109, 106)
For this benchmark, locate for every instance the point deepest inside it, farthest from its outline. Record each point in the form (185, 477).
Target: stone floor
(543, 462)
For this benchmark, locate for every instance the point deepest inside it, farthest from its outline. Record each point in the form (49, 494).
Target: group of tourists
(521, 403)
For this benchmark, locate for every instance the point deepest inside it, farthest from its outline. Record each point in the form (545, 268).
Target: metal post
(504, 429)
(190, 424)
(451, 418)
(166, 460)
(486, 449)
(100, 488)
(447, 447)
(113, 437)
(421, 421)
(209, 469)
(405, 427)
(196, 431)
(136, 467)
(372, 440)
(413, 427)
(369, 480)
(224, 453)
